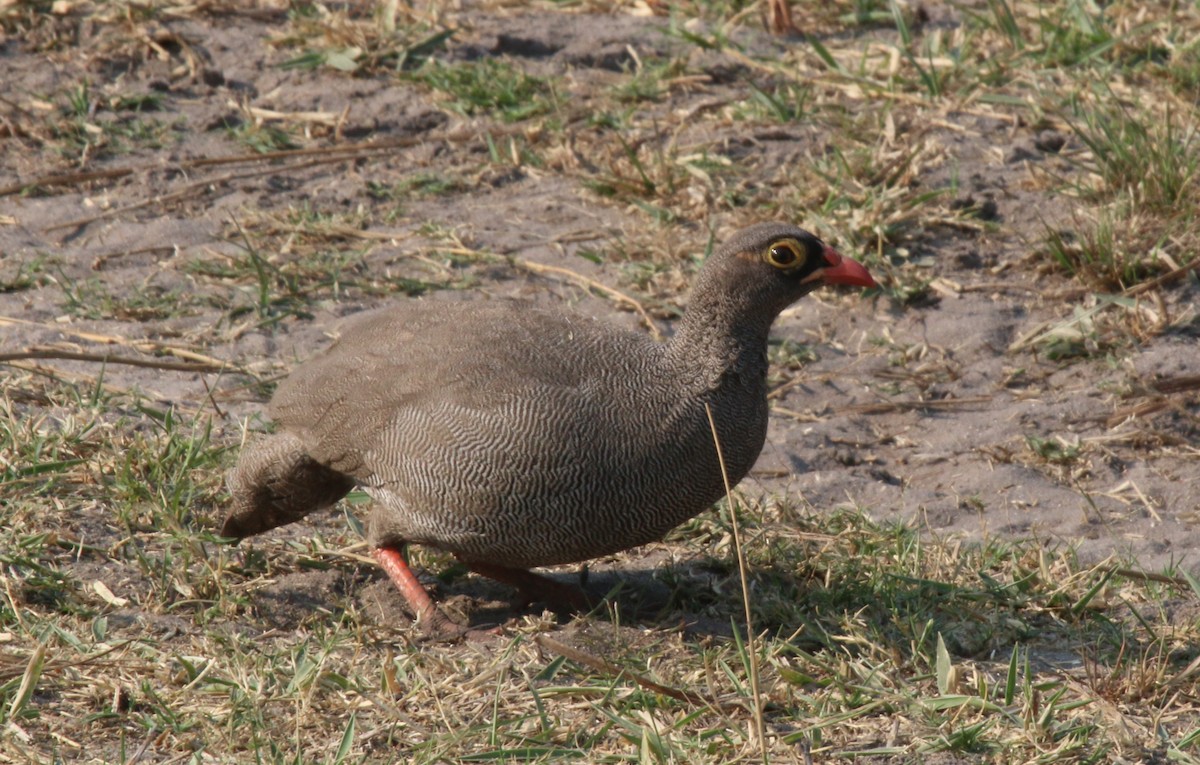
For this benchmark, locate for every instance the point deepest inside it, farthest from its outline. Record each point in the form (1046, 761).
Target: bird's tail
(275, 483)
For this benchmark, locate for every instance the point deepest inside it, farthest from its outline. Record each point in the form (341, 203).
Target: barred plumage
(516, 436)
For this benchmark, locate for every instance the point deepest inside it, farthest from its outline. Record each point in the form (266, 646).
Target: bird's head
(771, 265)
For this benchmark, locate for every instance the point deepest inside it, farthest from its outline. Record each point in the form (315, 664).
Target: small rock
(1050, 141)
(213, 78)
(985, 210)
(1021, 153)
(847, 457)
(969, 259)
(521, 45)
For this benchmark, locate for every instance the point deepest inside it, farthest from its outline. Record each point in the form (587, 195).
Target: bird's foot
(535, 587)
(430, 619)
(449, 631)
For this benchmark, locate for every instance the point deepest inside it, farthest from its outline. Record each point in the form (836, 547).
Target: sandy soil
(926, 410)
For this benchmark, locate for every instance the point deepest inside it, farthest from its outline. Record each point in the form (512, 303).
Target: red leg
(429, 617)
(534, 586)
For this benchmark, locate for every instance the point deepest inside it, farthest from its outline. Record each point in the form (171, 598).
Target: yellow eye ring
(786, 254)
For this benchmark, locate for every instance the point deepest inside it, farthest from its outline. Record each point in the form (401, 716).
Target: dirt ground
(944, 408)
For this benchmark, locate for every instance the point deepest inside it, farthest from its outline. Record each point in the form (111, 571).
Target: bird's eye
(786, 254)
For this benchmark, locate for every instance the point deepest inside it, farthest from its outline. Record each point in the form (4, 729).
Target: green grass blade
(1010, 681)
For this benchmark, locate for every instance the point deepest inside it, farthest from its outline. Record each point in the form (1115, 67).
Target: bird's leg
(429, 616)
(534, 586)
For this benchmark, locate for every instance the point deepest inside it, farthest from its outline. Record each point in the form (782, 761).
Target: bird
(516, 436)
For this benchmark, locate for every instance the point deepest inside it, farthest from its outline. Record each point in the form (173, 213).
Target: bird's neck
(722, 336)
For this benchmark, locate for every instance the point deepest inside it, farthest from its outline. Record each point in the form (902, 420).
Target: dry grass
(873, 640)
(130, 633)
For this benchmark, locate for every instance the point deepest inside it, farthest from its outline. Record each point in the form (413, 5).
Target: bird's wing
(448, 366)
